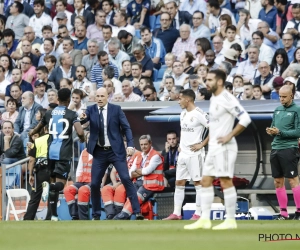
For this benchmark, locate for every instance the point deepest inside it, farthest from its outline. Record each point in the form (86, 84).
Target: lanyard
(145, 159)
(175, 158)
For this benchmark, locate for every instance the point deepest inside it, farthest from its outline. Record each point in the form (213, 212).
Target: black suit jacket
(111, 21)
(184, 17)
(88, 17)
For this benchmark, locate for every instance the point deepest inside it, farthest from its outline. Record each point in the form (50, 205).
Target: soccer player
(222, 150)
(60, 122)
(194, 124)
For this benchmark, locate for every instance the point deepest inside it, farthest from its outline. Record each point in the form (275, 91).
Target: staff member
(284, 156)
(107, 147)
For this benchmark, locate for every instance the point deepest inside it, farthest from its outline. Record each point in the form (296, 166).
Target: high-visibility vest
(41, 145)
(87, 167)
(129, 164)
(155, 180)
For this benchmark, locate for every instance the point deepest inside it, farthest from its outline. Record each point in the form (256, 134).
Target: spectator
(226, 67)
(27, 9)
(202, 45)
(288, 41)
(48, 50)
(40, 18)
(136, 69)
(277, 84)
(265, 79)
(120, 23)
(175, 93)
(284, 14)
(198, 28)
(293, 26)
(268, 13)
(107, 35)
(297, 56)
(108, 74)
(76, 103)
(177, 17)
(212, 15)
(149, 92)
(154, 47)
(96, 73)
(118, 98)
(166, 87)
(80, 10)
(246, 26)
(293, 70)
(90, 60)
(247, 94)
(231, 38)
(185, 41)
(271, 38)
(201, 70)
(203, 95)
(26, 118)
(17, 21)
(127, 90)
(47, 33)
(11, 113)
(16, 94)
(144, 81)
(109, 85)
(138, 13)
(231, 56)
(140, 56)
(218, 49)
(81, 42)
(187, 59)
(68, 48)
(28, 70)
(9, 40)
(210, 59)
(79, 20)
(66, 70)
(239, 51)
(11, 145)
(26, 50)
(82, 83)
(62, 15)
(116, 56)
(225, 21)
(94, 31)
(193, 84)
(17, 79)
(248, 68)
(237, 85)
(62, 33)
(280, 62)
(229, 87)
(192, 7)
(128, 42)
(167, 34)
(41, 97)
(253, 6)
(52, 96)
(3, 84)
(257, 92)
(126, 71)
(290, 81)
(42, 76)
(170, 154)
(169, 60)
(180, 78)
(265, 52)
(50, 62)
(65, 83)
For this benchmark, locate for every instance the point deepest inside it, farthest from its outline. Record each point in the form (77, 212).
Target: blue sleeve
(116, 72)
(7, 90)
(260, 15)
(129, 10)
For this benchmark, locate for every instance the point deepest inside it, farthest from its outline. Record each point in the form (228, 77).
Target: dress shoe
(96, 218)
(121, 216)
(139, 216)
(110, 216)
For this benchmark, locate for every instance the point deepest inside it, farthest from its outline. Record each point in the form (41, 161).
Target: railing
(3, 171)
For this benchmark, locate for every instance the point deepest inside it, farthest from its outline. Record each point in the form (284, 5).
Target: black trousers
(36, 195)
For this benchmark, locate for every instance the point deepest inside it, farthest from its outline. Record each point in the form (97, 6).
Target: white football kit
(223, 110)
(194, 126)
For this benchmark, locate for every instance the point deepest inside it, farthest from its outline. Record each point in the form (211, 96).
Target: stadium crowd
(139, 51)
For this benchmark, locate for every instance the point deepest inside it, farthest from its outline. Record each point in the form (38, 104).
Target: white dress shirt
(27, 122)
(265, 54)
(104, 112)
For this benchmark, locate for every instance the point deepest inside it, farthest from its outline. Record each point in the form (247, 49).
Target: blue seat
(152, 20)
(154, 75)
(157, 22)
(138, 34)
(156, 86)
(161, 72)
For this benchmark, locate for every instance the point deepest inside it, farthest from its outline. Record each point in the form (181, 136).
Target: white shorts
(220, 164)
(189, 167)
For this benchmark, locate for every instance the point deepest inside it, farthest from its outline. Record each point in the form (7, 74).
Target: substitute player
(284, 156)
(222, 150)
(194, 124)
(60, 122)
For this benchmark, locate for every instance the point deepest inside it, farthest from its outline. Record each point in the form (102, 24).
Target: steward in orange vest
(80, 187)
(114, 194)
(147, 168)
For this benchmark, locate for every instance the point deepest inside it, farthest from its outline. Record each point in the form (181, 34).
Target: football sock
(207, 197)
(178, 199)
(198, 200)
(296, 194)
(230, 197)
(57, 186)
(53, 199)
(282, 200)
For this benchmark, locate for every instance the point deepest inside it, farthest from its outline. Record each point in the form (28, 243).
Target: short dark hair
(148, 80)
(230, 27)
(167, 13)
(15, 85)
(283, 2)
(47, 27)
(7, 121)
(205, 93)
(43, 69)
(123, 34)
(236, 46)
(70, 40)
(151, 87)
(9, 32)
(256, 86)
(109, 71)
(67, 80)
(228, 85)
(102, 53)
(107, 27)
(78, 92)
(19, 6)
(172, 132)
(64, 94)
(198, 11)
(111, 3)
(40, 2)
(189, 93)
(50, 40)
(144, 28)
(214, 3)
(137, 64)
(125, 62)
(258, 33)
(12, 100)
(52, 58)
(64, 2)
(82, 66)
(219, 74)
(62, 26)
(189, 55)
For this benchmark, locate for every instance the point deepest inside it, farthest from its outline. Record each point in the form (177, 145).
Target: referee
(285, 129)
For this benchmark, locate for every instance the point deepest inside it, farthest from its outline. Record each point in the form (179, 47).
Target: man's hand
(82, 116)
(7, 138)
(167, 147)
(31, 180)
(196, 147)
(223, 140)
(272, 131)
(130, 151)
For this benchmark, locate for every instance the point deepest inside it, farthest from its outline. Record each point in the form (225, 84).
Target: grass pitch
(142, 235)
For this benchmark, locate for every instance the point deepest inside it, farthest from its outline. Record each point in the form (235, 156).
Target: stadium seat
(154, 75)
(13, 177)
(156, 86)
(11, 208)
(157, 22)
(152, 22)
(161, 72)
(138, 34)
